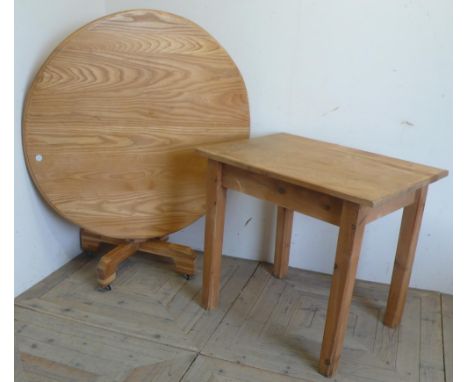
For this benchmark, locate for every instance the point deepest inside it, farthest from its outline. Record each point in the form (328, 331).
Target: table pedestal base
(184, 257)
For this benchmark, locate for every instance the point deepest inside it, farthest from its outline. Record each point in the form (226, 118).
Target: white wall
(372, 75)
(43, 241)
(376, 75)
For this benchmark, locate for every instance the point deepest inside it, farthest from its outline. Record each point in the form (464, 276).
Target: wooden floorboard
(51, 348)
(207, 369)
(277, 325)
(447, 327)
(151, 327)
(55, 278)
(148, 300)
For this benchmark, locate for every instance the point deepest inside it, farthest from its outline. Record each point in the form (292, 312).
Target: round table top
(112, 118)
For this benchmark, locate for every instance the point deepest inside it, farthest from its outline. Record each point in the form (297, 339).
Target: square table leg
(406, 250)
(352, 226)
(284, 221)
(214, 230)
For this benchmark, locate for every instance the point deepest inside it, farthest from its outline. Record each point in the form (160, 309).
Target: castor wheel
(106, 288)
(188, 277)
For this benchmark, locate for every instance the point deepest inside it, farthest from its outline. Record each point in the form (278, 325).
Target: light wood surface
(207, 369)
(214, 231)
(112, 117)
(348, 249)
(265, 329)
(277, 326)
(391, 206)
(298, 198)
(405, 254)
(183, 256)
(354, 175)
(54, 348)
(447, 331)
(284, 223)
(108, 264)
(148, 300)
(337, 184)
(432, 348)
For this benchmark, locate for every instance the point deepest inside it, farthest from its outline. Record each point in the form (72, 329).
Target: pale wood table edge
(204, 151)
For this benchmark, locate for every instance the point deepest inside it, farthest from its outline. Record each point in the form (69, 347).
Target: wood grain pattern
(432, 350)
(447, 330)
(148, 300)
(390, 206)
(337, 184)
(348, 249)
(354, 175)
(405, 254)
(297, 198)
(206, 369)
(284, 223)
(277, 326)
(53, 348)
(265, 330)
(214, 232)
(112, 118)
(108, 264)
(184, 257)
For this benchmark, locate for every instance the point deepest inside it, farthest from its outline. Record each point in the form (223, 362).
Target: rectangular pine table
(333, 183)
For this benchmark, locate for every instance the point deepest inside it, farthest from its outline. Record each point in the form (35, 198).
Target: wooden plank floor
(151, 327)
(447, 327)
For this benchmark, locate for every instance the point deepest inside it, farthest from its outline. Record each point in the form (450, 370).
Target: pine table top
(350, 174)
(113, 116)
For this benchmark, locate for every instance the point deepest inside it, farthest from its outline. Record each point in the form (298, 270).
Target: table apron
(390, 206)
(316, 204)
(309, 202)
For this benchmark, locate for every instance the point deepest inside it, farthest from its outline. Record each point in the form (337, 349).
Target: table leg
(352, 227)
(108, 264)
(214, 230)
(406, 250)
(284, 221)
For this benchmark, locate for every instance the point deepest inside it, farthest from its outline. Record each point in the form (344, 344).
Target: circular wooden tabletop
(112, 118)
